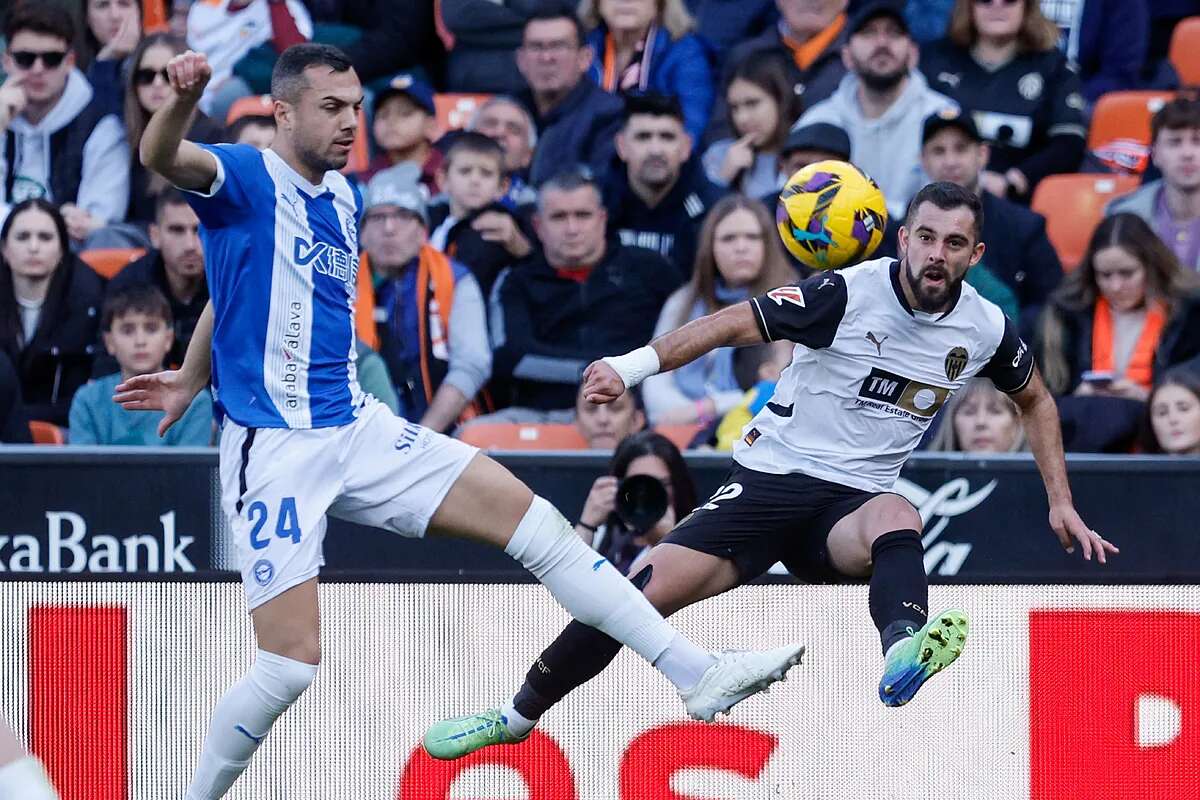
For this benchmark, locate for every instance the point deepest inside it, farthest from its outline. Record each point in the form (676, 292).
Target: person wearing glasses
(61, 143)
(577, 121)
(146, 91)
(1001, 61)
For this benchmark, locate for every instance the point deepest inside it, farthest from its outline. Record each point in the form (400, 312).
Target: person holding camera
(646, 491)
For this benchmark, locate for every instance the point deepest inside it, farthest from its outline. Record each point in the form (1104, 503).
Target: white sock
(683, 663)
(25, 779)
(586, 584)
(513, 720)
(242, 719)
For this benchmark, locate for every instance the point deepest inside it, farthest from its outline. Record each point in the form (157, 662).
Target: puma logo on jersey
(824, 282)
(877, 342)
(787, 294)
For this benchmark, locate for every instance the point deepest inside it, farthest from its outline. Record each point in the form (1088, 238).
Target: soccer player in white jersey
(299, 438)
(879, 348)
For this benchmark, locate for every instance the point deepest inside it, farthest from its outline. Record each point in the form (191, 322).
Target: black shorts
(755, 519)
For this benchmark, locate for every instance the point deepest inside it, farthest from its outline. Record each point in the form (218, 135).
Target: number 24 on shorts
(287, 522)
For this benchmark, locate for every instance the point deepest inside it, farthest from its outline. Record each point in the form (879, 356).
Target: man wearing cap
(429, 308)
(404, 124)
(882, 102)
(659, 198)
(1020, 268)
(808, 144)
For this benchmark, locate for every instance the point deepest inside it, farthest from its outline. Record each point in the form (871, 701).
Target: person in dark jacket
(1000, 61)
(175, 266)
(146, 90)
(579, 299)
(14, 425)
(808, 41)
(1105, 39)
(648, 46)
(659, 198)
(577, 120)
(111, 30)
(49, 309)
(380, 37)
(725, 24)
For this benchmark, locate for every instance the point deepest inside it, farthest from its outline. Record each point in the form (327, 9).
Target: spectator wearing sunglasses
(61, 142)
(146, 90)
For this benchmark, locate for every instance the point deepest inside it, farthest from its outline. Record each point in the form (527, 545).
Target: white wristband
(634, 367)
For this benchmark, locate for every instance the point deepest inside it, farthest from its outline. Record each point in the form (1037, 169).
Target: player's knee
(890, 512)
(280, 680)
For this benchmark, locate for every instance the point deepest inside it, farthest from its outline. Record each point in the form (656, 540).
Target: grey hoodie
(887, 148)
(104, 182)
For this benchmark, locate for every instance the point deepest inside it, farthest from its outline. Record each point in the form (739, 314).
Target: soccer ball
(831, 214)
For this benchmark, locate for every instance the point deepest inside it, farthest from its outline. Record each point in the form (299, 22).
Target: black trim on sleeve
(760, 320)
(807, 313)
(1011, 366)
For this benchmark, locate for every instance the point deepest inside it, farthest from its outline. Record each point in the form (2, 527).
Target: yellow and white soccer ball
(831, 214)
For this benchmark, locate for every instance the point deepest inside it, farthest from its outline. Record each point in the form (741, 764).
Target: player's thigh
(681, 576)
(850, 539)
(289, 624)
(276, 485)
(410, 480)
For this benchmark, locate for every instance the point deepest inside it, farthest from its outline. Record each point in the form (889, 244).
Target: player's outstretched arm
(605, 380)
(173, 390)
(1039, 413)
(163, 148)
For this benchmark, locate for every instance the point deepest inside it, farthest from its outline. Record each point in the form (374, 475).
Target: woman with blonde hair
(980, 419)
(739, 256)
(1126, 313)
(1000, 61)
(641, 46)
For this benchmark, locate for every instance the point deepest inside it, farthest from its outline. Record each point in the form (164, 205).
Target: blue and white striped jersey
(281, 257)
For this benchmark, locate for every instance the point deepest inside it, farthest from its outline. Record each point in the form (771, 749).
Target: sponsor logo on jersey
(408, 438)
(325, 259)
(873, 339)
(1021, 348)
(901, 396)
(1030, 85)
(787, 294)
(751, 436)
(956, 362)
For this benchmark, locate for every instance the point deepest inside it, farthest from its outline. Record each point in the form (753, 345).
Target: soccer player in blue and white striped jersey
(300, 439)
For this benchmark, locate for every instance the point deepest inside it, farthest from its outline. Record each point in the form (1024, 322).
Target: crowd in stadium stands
(551, 181)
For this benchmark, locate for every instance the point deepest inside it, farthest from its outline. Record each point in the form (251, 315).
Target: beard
(882, 81)
(657, 175)
(931, 299)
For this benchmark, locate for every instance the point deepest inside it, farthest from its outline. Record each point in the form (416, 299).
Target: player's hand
(80, 223)
(739, 157)
(495, 226)
(188, 74)
(601, 501)
(1067, 525)
(601, 383)
(166, 391)
(12, 100)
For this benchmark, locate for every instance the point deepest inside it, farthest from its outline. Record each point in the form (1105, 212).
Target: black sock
(579, 654)
(899, 596)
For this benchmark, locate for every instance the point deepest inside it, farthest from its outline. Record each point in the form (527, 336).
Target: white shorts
(277, 485)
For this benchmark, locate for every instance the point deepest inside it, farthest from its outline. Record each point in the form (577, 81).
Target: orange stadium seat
(1185, 51)
(680, 435)
(154, 16)
(46, 433)
(255, 105)
(364, 306)
(1124, 115)
(454, 110)
(1073, 205)
(108, 261)
(519, 436)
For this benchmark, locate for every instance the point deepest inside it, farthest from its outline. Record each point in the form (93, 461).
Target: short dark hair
(287, 78)
(1178, 114)
(142, 297)
(946, 196)
(167, 197)
(652, 104)
(475, 142)
(554, 11)
(568, 180)
(241, 123)
(49, 19)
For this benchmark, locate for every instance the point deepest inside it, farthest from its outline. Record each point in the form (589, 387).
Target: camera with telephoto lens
(641, 502)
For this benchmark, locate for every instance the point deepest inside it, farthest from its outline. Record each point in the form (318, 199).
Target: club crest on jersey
(956, 362)
(787, 294)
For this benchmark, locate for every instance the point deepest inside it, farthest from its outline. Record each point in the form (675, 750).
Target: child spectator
(146, 91)
(980, 419)
(1172, 423)
(49, 308)
(762, 107)
(471, 222)
(138, 333)
(253, 129)
(403, 125)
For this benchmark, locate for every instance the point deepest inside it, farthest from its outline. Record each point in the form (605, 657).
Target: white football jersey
(869, 372)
